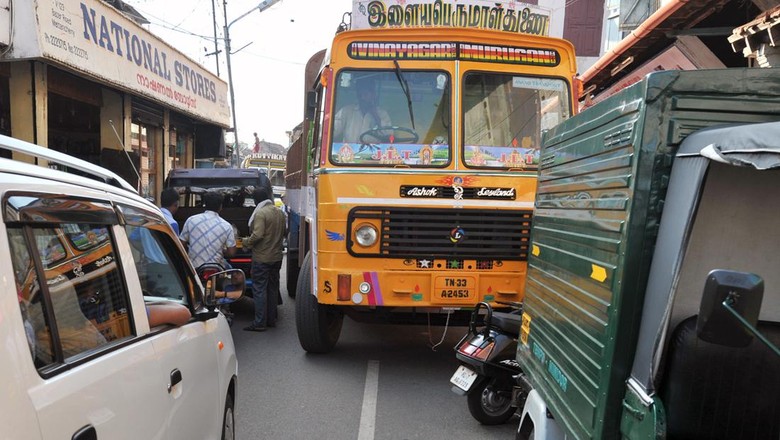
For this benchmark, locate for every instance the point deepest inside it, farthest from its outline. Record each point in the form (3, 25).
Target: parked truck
(411, 189)
(655, 208)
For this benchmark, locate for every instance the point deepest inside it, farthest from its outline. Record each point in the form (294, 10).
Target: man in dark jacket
(268, 227)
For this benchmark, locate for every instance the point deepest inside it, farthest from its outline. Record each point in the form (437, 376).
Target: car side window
(86, 301)
(71, 294)
(28, 292)
(160, 265)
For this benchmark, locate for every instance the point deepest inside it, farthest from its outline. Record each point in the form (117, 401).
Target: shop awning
(747, 38)
(652, 36)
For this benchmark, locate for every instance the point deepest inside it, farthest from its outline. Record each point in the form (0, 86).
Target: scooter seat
(508, 322)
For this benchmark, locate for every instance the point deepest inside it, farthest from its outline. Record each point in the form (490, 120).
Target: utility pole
(262, 6)
(216, 46)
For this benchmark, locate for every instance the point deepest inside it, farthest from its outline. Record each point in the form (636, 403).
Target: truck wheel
(292, 272)
(489, 407)
(319, 325)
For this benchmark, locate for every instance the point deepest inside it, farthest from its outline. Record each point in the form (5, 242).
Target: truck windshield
(391, 117)
(505, 115)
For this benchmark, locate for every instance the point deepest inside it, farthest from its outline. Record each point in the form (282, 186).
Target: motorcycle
(486, 375)
(206, 270)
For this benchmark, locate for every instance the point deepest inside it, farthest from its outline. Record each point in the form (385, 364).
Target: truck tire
(292, 272)
(318, 325)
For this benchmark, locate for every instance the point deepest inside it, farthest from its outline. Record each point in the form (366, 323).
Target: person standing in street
(208, 237)
(268, 227)
(169, 203)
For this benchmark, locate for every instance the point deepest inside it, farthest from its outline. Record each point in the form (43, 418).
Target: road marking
(368, 413)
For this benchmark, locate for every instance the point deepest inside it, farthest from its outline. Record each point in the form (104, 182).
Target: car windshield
(504, 117)
(391, 117)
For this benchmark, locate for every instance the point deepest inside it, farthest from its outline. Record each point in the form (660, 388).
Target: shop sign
(267, 156)
(95, 39)
(397, 50)
(501, 15)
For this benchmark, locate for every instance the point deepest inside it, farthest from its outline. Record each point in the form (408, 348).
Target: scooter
(487, 358)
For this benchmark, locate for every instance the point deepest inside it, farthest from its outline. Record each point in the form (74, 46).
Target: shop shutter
(73, 87)
(146, 112)
(182, 123)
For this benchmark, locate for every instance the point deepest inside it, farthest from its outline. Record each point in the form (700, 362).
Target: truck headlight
(366, 235)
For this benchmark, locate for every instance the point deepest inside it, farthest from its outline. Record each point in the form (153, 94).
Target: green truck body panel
(600, 194)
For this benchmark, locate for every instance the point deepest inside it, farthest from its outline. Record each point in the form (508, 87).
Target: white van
(90, 263)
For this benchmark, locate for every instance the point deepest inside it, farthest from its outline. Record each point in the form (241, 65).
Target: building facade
(642, 36)
(79, 76)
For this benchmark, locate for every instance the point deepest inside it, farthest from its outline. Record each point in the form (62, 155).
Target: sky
(268, 73)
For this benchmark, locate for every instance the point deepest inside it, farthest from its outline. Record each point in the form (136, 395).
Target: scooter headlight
(366, 235)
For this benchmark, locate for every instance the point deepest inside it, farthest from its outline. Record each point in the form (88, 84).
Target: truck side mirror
(311, 104)
(727, 293)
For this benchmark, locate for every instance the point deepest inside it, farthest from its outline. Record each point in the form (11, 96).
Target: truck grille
(432, 233)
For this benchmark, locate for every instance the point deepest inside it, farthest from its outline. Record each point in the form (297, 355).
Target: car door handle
(175, 379)
(86, 433)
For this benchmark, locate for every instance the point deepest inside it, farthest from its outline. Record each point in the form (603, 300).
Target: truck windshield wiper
(405, 88)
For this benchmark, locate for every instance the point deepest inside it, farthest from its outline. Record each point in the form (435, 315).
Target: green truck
(655, 208)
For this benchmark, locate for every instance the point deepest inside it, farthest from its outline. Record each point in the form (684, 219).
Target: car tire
(229, 419)
(318, 325)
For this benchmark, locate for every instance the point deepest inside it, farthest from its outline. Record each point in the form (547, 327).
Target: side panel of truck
(600, 194)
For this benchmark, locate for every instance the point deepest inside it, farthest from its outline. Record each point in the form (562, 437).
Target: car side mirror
(729, 308)
(311, 104)
(224, 287)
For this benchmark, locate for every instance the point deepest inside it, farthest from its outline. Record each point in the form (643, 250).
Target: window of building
(142, 140)
(612, 33)
(74, 127)
(180, 142)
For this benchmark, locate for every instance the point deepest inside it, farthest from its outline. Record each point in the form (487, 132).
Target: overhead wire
(170, 26)
(190, 14)
(177, 28)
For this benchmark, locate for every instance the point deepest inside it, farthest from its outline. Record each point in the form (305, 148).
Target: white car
(91, 263)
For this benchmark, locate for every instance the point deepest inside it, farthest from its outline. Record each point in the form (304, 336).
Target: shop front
(81, 78)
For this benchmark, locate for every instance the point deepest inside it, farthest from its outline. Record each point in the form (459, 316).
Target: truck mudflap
(536, 421)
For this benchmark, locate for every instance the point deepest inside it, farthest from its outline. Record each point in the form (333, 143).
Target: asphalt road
(380, 382)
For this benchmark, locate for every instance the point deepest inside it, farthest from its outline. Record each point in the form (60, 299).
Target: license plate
(454, 288)
(463, 378)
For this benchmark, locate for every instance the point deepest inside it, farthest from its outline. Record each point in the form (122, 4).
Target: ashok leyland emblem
(457, 235)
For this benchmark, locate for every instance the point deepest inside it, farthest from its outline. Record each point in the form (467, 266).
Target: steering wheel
(379, 134)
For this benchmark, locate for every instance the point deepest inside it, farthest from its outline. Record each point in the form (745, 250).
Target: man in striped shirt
(208, 237)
